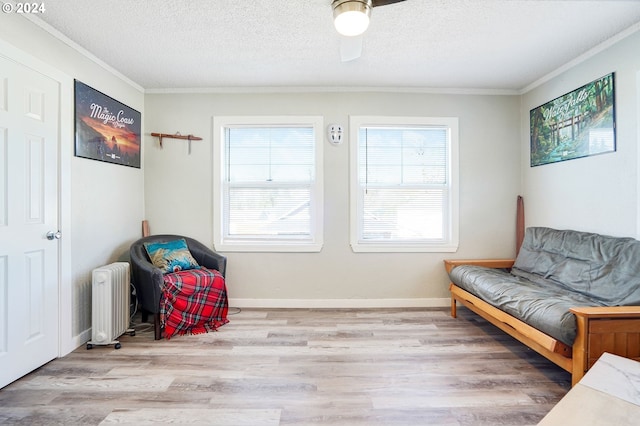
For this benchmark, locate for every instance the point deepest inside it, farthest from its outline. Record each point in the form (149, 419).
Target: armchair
(148, 280)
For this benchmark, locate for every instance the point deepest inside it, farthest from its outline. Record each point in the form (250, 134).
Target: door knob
(54, 235)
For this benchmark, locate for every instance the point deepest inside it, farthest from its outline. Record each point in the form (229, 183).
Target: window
(268, 184)
(404, 194)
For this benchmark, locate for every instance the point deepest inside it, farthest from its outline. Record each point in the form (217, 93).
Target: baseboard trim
(340, 303)
(79, 340)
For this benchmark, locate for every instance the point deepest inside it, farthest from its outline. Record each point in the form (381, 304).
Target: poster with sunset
(106, 130)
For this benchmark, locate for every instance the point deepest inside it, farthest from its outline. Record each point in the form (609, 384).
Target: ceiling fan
(351, 19)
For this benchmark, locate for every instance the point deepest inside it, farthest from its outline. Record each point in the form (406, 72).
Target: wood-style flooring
(299, 367)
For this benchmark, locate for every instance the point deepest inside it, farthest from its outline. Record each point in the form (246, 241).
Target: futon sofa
(569, 295)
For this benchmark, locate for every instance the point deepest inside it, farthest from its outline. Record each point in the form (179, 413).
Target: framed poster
(105, 129)
(578, 124)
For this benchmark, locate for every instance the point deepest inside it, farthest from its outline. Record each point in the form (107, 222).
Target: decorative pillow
(171, 256)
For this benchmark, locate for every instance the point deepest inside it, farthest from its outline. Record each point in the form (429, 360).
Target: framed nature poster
(105, 129)
(578, 124)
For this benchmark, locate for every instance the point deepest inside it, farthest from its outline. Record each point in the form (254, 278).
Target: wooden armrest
(449, 264)
(607, 311)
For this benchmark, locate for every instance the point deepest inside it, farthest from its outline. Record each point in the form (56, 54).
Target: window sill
(270, 247)
(403, 248)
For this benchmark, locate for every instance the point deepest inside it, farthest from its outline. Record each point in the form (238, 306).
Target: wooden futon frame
(599, 329)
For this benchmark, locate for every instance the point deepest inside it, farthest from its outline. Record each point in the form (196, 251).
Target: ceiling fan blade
(376, 3)
(350, 48)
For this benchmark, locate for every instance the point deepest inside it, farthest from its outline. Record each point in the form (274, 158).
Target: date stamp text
(28, 8)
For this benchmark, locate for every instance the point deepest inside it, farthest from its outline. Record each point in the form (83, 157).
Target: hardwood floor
(299, 367)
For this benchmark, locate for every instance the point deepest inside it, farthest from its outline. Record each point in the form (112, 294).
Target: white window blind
(269, 186)
(403, 186)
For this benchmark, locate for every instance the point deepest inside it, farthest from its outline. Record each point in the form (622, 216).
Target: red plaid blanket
(195, 301)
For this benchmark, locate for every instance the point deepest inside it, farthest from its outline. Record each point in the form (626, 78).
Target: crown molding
(81, 50)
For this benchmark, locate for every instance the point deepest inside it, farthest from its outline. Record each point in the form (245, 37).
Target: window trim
(223, 243)
(447, 246)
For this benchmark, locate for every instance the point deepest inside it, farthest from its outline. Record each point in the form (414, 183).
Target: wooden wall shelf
(176, 136)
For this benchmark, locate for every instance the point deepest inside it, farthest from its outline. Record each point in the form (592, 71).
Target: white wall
(178, 195)
(598, 193)
(103, 202)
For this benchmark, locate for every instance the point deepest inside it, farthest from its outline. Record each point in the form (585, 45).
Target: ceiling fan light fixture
(351, 17)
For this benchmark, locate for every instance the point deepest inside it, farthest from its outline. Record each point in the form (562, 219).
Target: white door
(29, 270)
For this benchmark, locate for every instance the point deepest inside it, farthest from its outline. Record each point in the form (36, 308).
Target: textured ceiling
(448, 44)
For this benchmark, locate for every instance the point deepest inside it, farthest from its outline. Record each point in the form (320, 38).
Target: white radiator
(110, 300)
